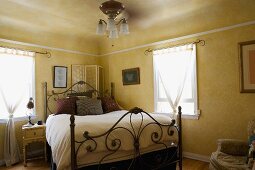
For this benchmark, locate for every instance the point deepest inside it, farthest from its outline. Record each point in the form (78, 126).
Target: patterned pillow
(88, 106)
(66, 106)
(109, 104)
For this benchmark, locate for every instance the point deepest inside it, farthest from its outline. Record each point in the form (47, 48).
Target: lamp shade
(100, 28)
(124, 29)
(111, 25)
(113, 34)
(30, 104)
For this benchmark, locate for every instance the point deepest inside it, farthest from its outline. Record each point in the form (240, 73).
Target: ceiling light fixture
(112, 9)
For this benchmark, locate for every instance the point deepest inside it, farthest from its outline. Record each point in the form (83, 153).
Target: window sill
(16, 119)
(186, 116)
(193, 117)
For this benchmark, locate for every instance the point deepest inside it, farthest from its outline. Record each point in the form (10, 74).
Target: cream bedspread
(58, 134)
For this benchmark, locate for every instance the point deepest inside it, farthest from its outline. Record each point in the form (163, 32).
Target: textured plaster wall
(225, 111)
(44, 72)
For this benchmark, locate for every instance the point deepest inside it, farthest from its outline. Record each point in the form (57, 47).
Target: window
(175, 80)
(16, 82)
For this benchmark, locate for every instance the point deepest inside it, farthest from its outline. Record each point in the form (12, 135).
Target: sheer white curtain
(180, 61)
(16, 86)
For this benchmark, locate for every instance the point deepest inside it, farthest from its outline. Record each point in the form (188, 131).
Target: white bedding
(58, 135)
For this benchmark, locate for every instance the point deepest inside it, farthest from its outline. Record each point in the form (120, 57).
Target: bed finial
(136, 110)
(81, 82)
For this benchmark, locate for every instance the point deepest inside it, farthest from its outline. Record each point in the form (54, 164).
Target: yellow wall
(44, 72)
(225, 111)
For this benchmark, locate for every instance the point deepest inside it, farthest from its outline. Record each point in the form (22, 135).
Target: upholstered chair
(232, 154)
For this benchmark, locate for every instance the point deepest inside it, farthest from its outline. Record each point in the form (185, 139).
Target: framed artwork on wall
(247, 66)
(131, 76)
(60, 77)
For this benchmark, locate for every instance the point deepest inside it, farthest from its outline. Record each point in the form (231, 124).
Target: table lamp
(30, 106)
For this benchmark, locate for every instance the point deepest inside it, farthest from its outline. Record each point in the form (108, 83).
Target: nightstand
(35, 133)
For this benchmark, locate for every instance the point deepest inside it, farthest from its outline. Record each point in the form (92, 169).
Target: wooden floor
(188, 164)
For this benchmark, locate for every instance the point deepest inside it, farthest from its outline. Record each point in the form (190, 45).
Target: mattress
(58, 136)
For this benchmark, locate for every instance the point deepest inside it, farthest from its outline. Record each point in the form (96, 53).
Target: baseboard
(196, 156)
(2, 162)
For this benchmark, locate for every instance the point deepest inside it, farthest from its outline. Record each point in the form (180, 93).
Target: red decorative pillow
(109, 104)
(66, 106)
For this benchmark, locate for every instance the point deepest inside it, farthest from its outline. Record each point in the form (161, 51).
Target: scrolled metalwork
(171, 133)
(114, 145)
(135, 131)
(80, 88)
(89, 147)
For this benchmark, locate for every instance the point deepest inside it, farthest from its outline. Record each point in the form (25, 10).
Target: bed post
(45, 101)
(112, 90)
(180, 136)
(73, 158)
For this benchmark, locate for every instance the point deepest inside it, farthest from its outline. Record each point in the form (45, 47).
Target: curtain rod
(201, 42)
(37, 52)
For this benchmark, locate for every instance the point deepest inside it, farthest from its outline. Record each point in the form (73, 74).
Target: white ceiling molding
(182, 38)
(133, 48)
(47, 47)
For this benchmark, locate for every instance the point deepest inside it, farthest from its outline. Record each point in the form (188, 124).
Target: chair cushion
(233, 147)
(222, 161)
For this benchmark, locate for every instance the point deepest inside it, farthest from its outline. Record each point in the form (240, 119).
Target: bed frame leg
(180, 136)
(73, 157)
(45, 88)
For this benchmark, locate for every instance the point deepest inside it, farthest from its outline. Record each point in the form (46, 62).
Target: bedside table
(35, 133)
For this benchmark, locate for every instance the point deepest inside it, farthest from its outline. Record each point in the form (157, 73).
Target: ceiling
(71, 24)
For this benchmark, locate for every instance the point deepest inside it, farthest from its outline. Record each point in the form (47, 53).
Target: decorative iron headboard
(80, 88)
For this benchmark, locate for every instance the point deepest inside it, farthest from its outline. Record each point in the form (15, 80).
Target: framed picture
(131, 76)
(247, 66)
(60, 77)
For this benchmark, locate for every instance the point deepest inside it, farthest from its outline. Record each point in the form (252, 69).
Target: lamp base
(28, 124)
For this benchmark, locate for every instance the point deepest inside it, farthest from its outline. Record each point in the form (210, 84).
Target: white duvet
(58, 135)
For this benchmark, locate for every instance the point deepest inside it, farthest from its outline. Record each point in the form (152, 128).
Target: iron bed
(166, 157)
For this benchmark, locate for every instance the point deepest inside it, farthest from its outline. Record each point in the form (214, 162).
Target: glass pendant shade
(124, 29)
(100, 28)
(111, 25)
(112, 9)
(113, 34)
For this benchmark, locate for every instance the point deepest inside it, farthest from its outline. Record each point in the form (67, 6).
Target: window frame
(194, 84)
(33, 93)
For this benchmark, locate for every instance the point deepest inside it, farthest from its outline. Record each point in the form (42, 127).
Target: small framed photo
(131, 76)
(60, 77)
(247, 66)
